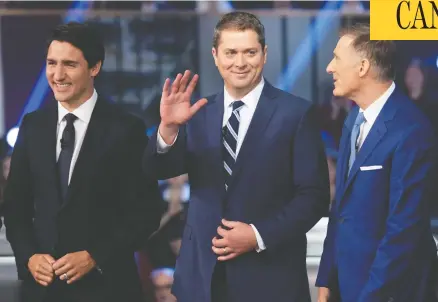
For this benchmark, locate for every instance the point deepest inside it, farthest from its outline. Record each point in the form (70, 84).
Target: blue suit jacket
(279, 183)
(379, 245)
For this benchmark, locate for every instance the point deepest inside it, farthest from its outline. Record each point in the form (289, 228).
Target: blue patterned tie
(353, 139)
(231, 131)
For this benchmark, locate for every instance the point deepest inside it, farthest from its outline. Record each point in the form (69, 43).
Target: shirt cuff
(260, 243)
(162, 147)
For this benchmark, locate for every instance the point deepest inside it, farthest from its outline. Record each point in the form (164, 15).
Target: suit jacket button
(341, 220)
(391, 299)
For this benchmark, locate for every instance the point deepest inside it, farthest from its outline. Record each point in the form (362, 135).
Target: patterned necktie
(230, 133)
(67, 148)
(353, 139)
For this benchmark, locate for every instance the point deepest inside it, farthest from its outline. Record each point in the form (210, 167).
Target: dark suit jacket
(279, 183)
(379, 245)
(110, 209)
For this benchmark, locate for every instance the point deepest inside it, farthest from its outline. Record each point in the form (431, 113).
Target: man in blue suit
(258, 176)
(379, 245)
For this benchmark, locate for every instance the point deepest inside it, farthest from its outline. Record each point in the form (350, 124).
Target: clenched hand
(40, 266)
(74, 266)
(239, 239)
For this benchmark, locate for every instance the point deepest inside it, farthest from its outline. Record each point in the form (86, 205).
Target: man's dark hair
(240, 21)
(83, 37)
(380, 53)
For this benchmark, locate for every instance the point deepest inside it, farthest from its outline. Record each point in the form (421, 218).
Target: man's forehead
(344, 45)
(239, 36)
(345, 41)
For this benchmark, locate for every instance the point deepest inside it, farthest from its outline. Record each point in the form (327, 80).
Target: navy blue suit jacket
(279, 184)
(379, 246)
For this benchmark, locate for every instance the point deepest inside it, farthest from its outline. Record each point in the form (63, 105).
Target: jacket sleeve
(310, 180)
(18, 204)
(140, 210)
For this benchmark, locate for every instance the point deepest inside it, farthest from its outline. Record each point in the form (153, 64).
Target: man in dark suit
(379, 244)
(257, 170)
(77, 201)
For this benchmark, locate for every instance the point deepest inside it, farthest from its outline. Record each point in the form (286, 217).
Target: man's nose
(59, 73)
(329, 68)
(240, 60)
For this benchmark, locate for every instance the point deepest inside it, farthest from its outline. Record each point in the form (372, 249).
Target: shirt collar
(250, 100)
(83, 112)
(374, 109)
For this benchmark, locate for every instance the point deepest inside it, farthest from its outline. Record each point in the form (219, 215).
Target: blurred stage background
(148, 41)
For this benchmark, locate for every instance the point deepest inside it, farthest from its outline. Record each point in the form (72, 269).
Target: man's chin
(61, 98)
(337, 93)
(243, 84)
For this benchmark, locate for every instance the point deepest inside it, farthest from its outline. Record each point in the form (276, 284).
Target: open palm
(175, 106)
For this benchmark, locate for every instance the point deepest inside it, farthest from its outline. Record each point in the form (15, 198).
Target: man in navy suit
(379, 245)
(257, 170)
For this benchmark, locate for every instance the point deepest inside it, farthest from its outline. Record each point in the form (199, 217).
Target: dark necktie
(67, 148)
(230, 133)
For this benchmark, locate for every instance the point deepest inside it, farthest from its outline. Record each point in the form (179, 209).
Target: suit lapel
(213, 121)
(48, 143)
(374, 137)
(344, 153)
(90, 149)
(262, 115)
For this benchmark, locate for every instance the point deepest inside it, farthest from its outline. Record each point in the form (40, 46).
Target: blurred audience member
(162, 251)
(6, 162)
(420, 89)
(145, 268)
(163, 279)
(332, 115)
(415, 80)
(164, 245)
(331, 162)
(6, 165)
(176, 193)
(331, 151)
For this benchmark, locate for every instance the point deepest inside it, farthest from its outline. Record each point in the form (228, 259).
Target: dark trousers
(219, 283)
(60, 291)
(57, 291)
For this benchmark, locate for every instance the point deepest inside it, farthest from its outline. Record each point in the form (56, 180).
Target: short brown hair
(380, 53)
(240, 21)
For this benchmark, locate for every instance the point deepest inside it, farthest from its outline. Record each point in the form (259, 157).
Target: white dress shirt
(246, 113)
(371, 114)
(83, 114)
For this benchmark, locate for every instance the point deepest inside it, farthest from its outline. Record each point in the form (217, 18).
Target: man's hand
(323, 294)
(234, 242)
(175, 106)
(40, 266)
(74, 266)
